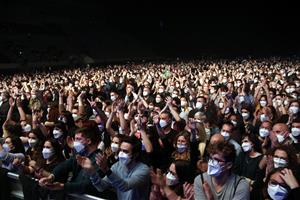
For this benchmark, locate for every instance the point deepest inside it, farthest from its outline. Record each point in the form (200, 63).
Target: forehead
(47, 144)
(280, 153)
(126, 146)
(164, 116)
(276, 178)
(79, 136)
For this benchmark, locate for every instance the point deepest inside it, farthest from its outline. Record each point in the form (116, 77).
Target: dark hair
(225, 148)
(57, 148)
(14, 130)
(70, 120)
(91, 133)
(255, 141)
(136, 146)
(184, 171)
(291, 153)
(17, 143)
(266, 183)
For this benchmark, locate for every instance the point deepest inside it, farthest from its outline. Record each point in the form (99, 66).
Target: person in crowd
(220, 182)
(176, 183)
(281, 184)
(129, 176)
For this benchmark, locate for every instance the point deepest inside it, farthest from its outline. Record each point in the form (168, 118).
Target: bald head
(216, 138)
(280, 128)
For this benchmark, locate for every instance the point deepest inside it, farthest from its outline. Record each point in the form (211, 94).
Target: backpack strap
(236, 184)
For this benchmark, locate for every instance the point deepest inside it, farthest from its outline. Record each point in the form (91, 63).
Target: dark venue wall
(35, 34)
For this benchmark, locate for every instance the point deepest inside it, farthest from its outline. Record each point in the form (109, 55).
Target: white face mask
(227, 110)
(279, 162)
(226, 135)
(57, 133)
(295, 131)
(145, 93)
(294, 109)
(214, 168)
(183, 103)
(171, 179)
(223, 94)
(264, 117)
(277, 192)
(245, 115)
(163, 123)
(263, 132)
(247, 146)
(174, 95)
(280, 138)
(113, 98)
(199, 105)
(241, 98)
(234, 122)
(47, 153)
(114, 147)
(107, 114)
(263, 103)
(74, 116)
(160, 90)
(32, 142)
(26, 128)
(221, 105)
(124, 158)
(157, 100)
(207, 132)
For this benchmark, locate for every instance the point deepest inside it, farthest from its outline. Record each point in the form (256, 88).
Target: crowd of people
(207, 129)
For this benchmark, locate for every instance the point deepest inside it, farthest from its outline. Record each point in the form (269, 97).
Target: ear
(89, 141)
(229, 165)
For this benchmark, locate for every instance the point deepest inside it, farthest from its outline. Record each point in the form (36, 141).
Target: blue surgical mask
(181, 148)
(214, 168)
(47, 153)
(6, 147)
(79, 147)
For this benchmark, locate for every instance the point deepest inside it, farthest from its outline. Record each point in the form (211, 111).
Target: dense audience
(208, 129)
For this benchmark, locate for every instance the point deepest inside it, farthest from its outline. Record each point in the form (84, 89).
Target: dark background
(94, 31)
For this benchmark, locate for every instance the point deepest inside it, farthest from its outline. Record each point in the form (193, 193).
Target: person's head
(216, 138)
(284, 156)
(165, 119)
(266, 114)
(263, 101)
(26, 128)
(246, 113)
(265, 129)
(114, 95)
(115, 143)
(295, 130)
(294, 107)
(13, 145)
(52, 150)
(35, 138)
(181, 142)
(278, 134)
(146, 91)
(226, 130)
(59, 130)
(4, 96)
(67, 118)
(200, 102)
(180, 171)
(250, 143)
(130, 150)
(86, 140)
(275, 186)
(222, 156)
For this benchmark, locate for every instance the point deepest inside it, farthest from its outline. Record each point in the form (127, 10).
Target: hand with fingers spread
(92, 102)
(85, 163)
